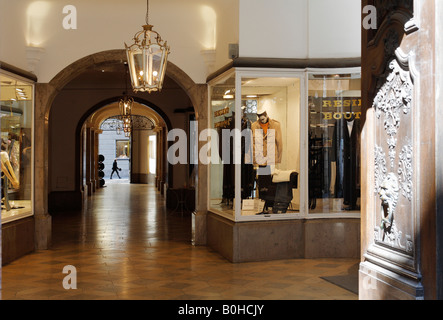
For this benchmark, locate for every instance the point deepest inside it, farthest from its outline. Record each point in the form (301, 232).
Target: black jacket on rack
(247, 168)
(228, 168)
(346, 154)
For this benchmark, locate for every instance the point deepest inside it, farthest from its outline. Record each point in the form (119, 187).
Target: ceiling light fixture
(147, 59)
(228, 95)
(125, 106)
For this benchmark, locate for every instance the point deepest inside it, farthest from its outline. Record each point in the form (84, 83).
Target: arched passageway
(64, 103)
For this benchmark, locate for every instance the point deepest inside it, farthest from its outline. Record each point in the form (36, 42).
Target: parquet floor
(125, 245)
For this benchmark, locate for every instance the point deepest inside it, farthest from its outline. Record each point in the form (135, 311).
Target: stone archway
(45, 93)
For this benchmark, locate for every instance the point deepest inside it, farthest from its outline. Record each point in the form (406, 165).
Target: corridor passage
(125, 244)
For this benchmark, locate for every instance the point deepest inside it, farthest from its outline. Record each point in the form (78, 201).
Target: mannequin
(270, 129)
(7, 175)
(266, 154)
(8, 170)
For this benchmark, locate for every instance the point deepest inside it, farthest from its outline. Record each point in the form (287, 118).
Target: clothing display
(346, 154)
(8, 176)
(247, 168)
(262, 154)
(8, 171)
(228, 168)
(277, 195)
(248, 172)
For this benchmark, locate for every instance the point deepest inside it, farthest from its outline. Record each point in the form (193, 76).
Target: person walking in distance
(115, 169)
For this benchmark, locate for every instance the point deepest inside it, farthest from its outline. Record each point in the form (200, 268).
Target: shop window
(16, 97)
(284, 144)
(334, 111)
(255, 158)
(222, 170)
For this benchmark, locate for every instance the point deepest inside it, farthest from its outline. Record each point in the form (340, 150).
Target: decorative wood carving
(393, 97)
(393, 165)
(389, 78)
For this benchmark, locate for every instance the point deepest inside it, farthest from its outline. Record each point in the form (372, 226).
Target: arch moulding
(45, 93)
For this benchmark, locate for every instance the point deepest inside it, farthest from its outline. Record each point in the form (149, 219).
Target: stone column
(201, 201)
(43, 221)
(158, 160)
(89, 152)
(94, 160)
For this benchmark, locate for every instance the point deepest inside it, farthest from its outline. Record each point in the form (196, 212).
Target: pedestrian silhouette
(115, 169)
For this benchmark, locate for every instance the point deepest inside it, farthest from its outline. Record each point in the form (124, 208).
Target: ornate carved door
(397, 143)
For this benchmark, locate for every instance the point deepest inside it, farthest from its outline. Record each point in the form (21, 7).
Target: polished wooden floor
(125, 245)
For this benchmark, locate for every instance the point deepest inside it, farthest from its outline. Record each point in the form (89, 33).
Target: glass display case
(255, 155)
(16, 97)
(334, 106)
(284, 144)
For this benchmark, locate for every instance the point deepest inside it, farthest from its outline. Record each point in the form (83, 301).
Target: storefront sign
(333, 108)
(221, 112)
(341, 103)
(340, 115)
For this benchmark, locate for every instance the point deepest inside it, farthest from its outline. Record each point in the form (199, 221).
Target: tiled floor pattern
(126, 245)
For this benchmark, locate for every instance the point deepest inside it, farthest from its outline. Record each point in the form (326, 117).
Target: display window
(334, 112)
(222, 171)
(284, 144)
(255, 154)
(16, 97)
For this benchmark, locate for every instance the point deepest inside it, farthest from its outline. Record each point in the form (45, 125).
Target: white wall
(279, 24)
(289, 28)
(334, 28)
(300, 29)
(188, 26)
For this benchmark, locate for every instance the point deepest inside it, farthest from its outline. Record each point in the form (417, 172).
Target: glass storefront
(284, 144)
(255, 118)
(334, 106)
(16, 97)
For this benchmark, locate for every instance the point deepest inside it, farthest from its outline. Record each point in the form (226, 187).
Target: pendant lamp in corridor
(147, 59)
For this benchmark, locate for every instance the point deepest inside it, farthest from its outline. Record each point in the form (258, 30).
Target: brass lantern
(125, 105)
(147, 59)
(127, 125)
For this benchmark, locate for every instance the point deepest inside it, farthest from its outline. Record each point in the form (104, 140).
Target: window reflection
(334, 104)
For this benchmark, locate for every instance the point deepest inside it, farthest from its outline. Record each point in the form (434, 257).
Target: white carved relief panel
(395, 217)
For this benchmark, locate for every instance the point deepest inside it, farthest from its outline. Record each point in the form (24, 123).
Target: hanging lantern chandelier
(127, 125)
(125, 106)
(147, 59)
